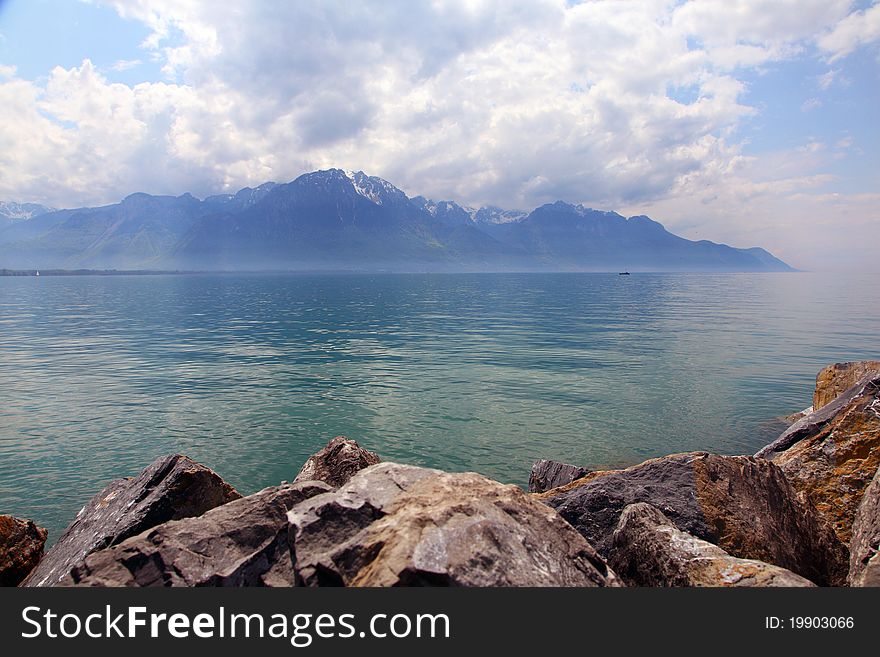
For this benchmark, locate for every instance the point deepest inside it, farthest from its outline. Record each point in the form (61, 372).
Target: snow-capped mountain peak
(22, 211)
(377, 190)
(492, 214)
(446, 212)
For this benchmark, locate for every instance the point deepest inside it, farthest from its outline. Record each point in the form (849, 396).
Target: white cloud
(776, 201)
(855, 30)
(617, 104)
(810, 104)
(828, 78)
(438, 97)
(125, 64)
(845, 142)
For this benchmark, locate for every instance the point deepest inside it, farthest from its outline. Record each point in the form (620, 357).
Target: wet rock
(835, 379)
(649, 550)
(397, 525)
(831, 455)
(800, 415)
(170, 488)
(864, 565)
(242, 543)
(551, 474)
(21, 546)
(337, 462)
(744, 505)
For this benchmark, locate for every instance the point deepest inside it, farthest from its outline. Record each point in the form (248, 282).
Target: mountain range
(342, 220)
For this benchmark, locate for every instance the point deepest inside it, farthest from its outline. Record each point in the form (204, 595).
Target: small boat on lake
(623, 273)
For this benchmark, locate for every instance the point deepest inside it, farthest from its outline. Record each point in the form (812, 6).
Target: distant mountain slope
(12, 211)
(138, 232)
(332, 219)
(493, 215)
(446, 212)
(241, 200)
(576, 237)
(345, 220)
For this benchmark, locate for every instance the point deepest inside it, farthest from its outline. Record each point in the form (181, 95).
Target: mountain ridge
(337, 219)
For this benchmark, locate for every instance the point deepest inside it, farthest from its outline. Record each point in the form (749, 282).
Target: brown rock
(832, 381)
(242, 543)
(831, 455)
(396, 525)
(649, 550)
(551, 474)
(744, 505)
(170, 488)
(21, 546)
(864, 565)
(337, 462)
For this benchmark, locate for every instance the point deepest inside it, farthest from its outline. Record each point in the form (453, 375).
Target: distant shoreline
(89, 272)
(227, 272)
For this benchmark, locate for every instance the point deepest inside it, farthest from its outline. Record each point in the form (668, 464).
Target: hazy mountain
(453, 214)
(137, 232)
(574, 237)
(12, 211)
(333, 219)
(446, 212)
(344, 220)
(492, 215)
(241, 200)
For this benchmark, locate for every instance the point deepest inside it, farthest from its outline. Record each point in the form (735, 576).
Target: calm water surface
(250, 374)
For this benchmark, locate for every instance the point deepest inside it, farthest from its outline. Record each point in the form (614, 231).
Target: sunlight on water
(251, 374)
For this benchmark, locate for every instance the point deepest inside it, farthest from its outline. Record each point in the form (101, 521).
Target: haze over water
(249, 374)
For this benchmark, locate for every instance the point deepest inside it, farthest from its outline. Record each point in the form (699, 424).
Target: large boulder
(831, 455)
(337, 462)
(171, 488)
(242, 543)
(552, 474)
(21, 546)
(397, 525)
(864, 565)
(649, 550)
(836, 379)
(744, 505)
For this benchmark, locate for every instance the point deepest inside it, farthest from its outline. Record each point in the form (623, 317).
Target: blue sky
(38, 35)
(742, 122)
(794, 109)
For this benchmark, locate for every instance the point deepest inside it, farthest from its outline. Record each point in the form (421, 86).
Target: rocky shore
(804, 511)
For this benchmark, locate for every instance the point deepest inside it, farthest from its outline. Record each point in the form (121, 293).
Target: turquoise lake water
(249, 374)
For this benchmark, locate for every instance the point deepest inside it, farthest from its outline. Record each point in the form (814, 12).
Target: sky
(745, 122)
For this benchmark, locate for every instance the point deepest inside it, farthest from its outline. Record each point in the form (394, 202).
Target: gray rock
(649, 550)
(21, 546)
(800, 415)
(337, 462)
(242, 543)
(397, 525)
(550, 474)
(744, 505)
(170, 488)
(864, 565)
